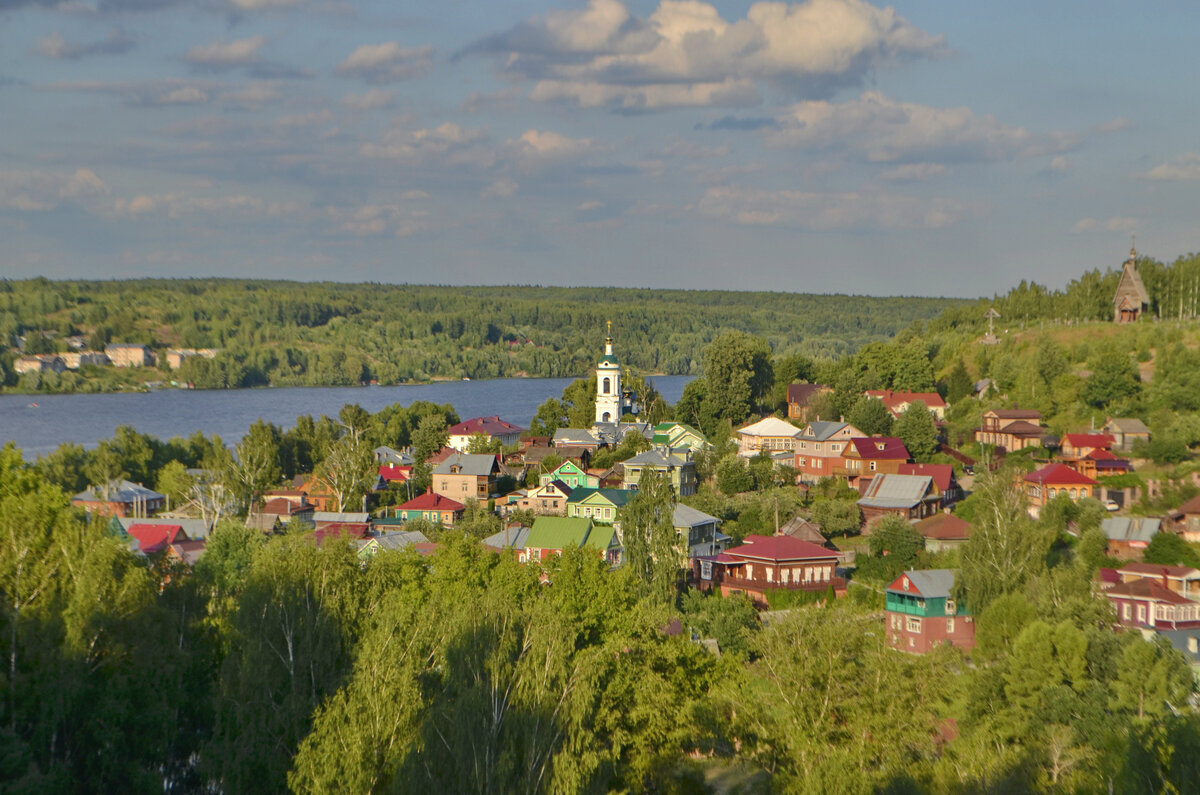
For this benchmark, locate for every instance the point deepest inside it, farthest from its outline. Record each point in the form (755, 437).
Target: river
(40, 423)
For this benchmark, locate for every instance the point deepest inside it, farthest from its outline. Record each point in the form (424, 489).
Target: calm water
(86, 419)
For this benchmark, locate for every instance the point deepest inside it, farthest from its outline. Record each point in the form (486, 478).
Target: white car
(1112, 505)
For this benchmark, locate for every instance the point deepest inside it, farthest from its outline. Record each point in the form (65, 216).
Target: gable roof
(431, 501)
(770, 426)
(821, 430)
(897, 491)
(801, 394)
(942, 474)
(1022, 428)
(509, 538)
(153, 538)
(778, 548)
(930, 583)
(1128, 425)
(878, 447)
(193, 528)
(1147, 589)
(189, 551)
(479, 465)
(658, 458)
(1130, 528)
(1191, 506)
(600, 537)
(397, 539)
(1014, 414)
(1059, 473)
(558, 532)
(894, 400)
(1161, 570)
(687, 516)
(803, 529)
(395, 473)
(944, 527)
(575, 436)
(489, 426)
(1101, 440)
(618, 497)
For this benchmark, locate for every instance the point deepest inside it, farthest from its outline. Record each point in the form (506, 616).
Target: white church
(612, 402)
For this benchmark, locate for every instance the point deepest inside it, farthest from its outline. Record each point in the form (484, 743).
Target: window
(951, 608)
(770, 573)
(607, 387)
(1141, 613)
(949, 626)
(706, 569)
(1074, 493)
(872, 466)
(913, 624)
(1125, 610)
(803, 462)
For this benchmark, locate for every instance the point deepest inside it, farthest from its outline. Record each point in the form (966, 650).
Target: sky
(930, 147)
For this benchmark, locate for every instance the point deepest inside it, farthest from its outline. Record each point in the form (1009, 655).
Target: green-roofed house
(599, 505)
(605, 541)
(550, 535)
(679, 435)
(571, 474)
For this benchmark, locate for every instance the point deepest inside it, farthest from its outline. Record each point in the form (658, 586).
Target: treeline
(329, 334)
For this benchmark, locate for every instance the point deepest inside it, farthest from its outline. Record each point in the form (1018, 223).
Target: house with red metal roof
(152, 538)
(432, 507)
(866, 457)
(1078, 445)
(492, 427)
(1054, 479)
(762, 564)
(1147, 604)
(898, 402)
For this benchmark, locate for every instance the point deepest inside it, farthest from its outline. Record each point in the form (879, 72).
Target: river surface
(40, 423)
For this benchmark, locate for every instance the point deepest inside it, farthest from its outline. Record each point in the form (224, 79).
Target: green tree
(917, 428)
(871, 416)
(737, 374)
(429, 437)
(733, 475)
(348, 472)
(1170, 550)
(652, 551)
(837, 517)
(257, 466)
(958, 383)
(1114, 378)
(175, 483)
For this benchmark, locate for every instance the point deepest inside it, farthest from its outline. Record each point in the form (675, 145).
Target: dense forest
(329, 334)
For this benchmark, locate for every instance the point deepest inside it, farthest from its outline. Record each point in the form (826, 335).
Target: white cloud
(819, 211)
(372, 99)
(500, 189)
(1184, 167)
(455, 144)
(223, 53)
(55, 46)
(538, 146)
(378, 219)
(41, 191)
(913, 172)
(387, 62)
(1114, 125)
(1116, 224)
(886, 131)
(686, 54)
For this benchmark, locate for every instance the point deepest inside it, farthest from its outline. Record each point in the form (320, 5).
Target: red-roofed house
(866, 457)
(943, 531)
(1182, 580)
(898, 402)
(801, 396)
(279, 511)
(432, 507)
(348, 531)
(395, 473)
(1146, 603)
(1100, 462)
(153, 538)
(491, 427)
(943, 477)
(767, 563)
(1078, 445)
(1054, 479)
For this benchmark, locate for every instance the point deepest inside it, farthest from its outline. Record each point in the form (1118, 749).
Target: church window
(607, 386)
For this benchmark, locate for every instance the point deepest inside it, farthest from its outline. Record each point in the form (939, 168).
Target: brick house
(819, 449)
(1054, 479)
(921, 612)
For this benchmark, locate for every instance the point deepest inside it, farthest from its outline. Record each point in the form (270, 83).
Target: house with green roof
(599, 505)
(571, 474)
(550, 535)
(605, 541)
(680, 435)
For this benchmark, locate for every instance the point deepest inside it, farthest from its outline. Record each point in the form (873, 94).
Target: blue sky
(926, 147)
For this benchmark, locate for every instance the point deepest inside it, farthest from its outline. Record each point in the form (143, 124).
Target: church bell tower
(609, 402)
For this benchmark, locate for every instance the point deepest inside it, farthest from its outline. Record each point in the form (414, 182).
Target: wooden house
(548, 499)
(910, 497)
(1125, 431)
(762, 564)
(943, 531)
(432, 507)
(943, 477)
(921, 612)
(676, 465)
(771, 435)
(1146, 603)
(572, 475)
(1012, 429)
(1131, 300)
(1183, 580)
(599, 505)
(870, 456)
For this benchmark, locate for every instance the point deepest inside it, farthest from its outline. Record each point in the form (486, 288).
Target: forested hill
(292, 333)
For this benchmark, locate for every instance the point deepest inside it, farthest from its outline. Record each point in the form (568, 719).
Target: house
(819, 449)
(943, 531)
(1078, 445)
(943, 477)
(342, 531)
(1181, 580)
(678, 435)
(187, 552)
(177, 356)
(76, 359)
(870, 456)
(129, 355)
(762, 564)
(394, 473)
(1099, 463)
(1128, 536)
(120, 498)
(467, 476)
(677, 466)
(194, 529)
(39, 363)
(1148, 604)
(550, 535)
(494, 428)
(605, 541)
(801, 396)
(1131, 300)
(1125, 431)
(548, 499)
(908, 496)
(400, 539)
(614, 433)
(511, 538)
(921, 612)
(432, 507)
(599, 505)
(389, 456)
(572, 475)
(699, 532)
(1185, 520)
(1012, 429)
(771, 435)
(576, 437)
(898, 402)
(1054, 479)
(323, 519)
(804, 530)
(313, 489)
(152, 538)
(272, 514)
